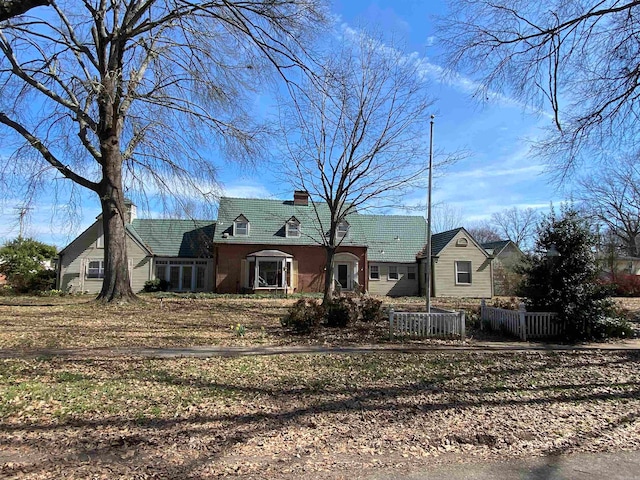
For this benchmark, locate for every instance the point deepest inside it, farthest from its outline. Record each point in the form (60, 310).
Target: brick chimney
(300, 197)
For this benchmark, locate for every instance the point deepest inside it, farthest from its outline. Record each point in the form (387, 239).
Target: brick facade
(311, 264)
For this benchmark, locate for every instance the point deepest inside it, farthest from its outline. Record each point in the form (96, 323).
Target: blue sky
(497, 173)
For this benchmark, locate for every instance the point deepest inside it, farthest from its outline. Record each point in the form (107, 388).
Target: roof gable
(439, 241)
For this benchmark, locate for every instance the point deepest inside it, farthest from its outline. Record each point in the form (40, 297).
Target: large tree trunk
(116, 286)
(329, 285)
(12, 8)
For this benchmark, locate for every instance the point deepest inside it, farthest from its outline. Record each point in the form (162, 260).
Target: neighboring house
(621, 264)
(262, 245)
(460, 266)
(507, 256)
(178, 251)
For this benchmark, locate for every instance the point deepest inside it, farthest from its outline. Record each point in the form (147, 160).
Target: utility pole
(428, 267)
(22, 213)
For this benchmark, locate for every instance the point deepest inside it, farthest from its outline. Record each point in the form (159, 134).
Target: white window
(183, 275)
(463, 273)
(343, 230)
(393, 272)
(270, 272)
(241, 226)
(411, 272)
(293, 228)
(95, 269)
(374, 272)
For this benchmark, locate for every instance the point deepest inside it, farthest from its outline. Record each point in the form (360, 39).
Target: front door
(343, 275)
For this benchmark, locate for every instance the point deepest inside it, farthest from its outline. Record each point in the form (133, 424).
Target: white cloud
(246, 190)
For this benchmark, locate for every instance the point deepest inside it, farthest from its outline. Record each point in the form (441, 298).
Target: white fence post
(463, 331)
(391, 323)
(523, 322)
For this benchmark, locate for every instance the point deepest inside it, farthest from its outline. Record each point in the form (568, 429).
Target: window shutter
(294, 275)
(243, 273)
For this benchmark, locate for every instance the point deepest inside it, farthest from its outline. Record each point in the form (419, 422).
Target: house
(265, 245)
(620, 264)
(507, 257)
(460, 267)
(178, 251)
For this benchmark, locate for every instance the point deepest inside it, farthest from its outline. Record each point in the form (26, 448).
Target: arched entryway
(345, 270)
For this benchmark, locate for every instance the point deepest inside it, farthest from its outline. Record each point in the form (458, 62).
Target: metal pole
(428, 267)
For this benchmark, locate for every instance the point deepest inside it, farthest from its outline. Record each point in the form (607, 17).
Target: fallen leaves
(284, 416)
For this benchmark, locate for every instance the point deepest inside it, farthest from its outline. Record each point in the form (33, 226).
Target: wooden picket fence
(522, 324)
(423, 324)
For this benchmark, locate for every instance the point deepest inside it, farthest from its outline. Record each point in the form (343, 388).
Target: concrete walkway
(230, 351)
(582, 466)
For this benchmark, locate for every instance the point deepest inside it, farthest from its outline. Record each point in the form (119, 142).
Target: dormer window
(343, 229)
(293, 227)
(241, 227)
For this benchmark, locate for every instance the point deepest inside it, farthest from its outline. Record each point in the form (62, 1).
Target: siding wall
(84, 248)
(445, 271)
(311, 264)
(394, 288)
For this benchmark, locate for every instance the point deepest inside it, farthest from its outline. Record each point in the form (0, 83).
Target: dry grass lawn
(32, 323)
(284, 416)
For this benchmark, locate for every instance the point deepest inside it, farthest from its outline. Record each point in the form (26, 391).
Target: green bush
(341, 311)
(567, 283)
(38, 282)
(612, 327)
(304, 316)
(157, 285)
(370, 309)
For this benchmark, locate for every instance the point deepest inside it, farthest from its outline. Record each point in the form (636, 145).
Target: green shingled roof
(393, 238)
(175, 238)
(267, 222)
(390, 238)
(495, 247)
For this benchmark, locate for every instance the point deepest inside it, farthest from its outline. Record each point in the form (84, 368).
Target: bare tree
(445, 216)
(611, 199)
(13, 8)
(131, 94)
(484, 232)
(578, 57)
(356, 137)
(517, 225)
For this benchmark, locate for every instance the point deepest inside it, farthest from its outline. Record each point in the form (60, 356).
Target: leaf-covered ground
(100, 415)
(32, 323)
(321, 416)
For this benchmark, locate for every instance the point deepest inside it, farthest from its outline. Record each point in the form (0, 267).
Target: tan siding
(83, 249)
(140, 262)
(445, 273)
(396, 288)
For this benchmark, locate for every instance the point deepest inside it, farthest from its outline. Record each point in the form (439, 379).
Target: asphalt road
(583, 466)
